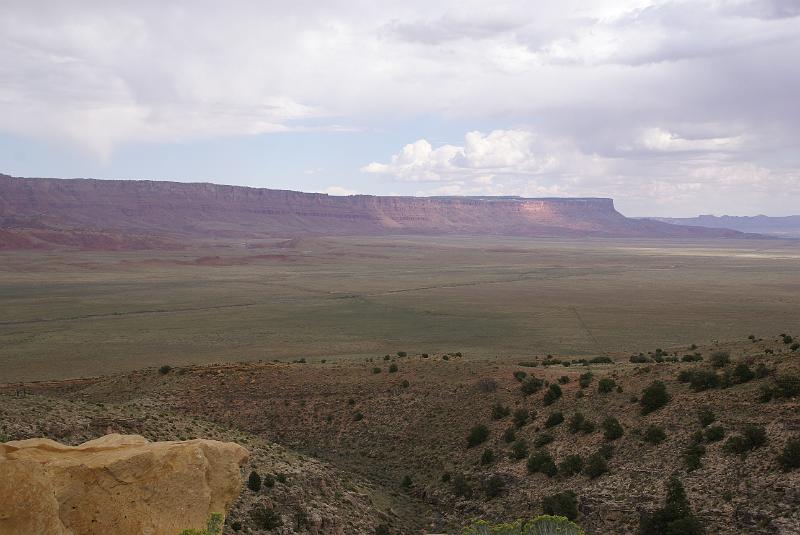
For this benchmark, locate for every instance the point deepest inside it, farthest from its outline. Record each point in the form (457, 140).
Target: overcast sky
(671, 107)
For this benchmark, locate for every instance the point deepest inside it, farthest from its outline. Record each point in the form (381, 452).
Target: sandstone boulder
(115, 484)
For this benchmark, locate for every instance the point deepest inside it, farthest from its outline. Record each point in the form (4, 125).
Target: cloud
(339, 190)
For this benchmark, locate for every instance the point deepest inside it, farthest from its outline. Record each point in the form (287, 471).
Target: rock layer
(32, 207)
(115, 484)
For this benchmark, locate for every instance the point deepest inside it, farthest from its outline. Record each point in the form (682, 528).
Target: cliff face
(147, 209)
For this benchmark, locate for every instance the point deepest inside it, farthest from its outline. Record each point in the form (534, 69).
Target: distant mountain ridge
(786, 226)
(120, 214)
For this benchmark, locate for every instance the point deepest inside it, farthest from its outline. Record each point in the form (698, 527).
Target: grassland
(71, 314)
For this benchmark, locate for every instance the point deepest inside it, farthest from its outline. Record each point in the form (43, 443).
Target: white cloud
(339, 190)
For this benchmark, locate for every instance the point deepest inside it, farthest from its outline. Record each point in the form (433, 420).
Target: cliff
(37, 211)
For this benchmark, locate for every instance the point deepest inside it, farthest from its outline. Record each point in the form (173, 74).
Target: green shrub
(401, 353)
(596, 465)
(795, 346)
(585, 379)
(268, 481)
(213, 526)
(461, 487)
(579, 423)
(789, 459)
(405, 383)
(562, 504)
(639, 359)
(531, 385)
(752, 437)
(521, 417)
(519, 449)
(787, 386)
(612, 429)
(701, 380)
(519, 375)
(654, 397)
(358, 416)
(552, 394)
(541, 525)
(477, 435)
(487, 457)
(742, 373)
(382, 529)
(541, 462)
(606, 385)
(695, 357)
(605, 451)
(376, 370)
(720, 359)
(706, 416)
(571, 465)
(494, 486)
(509, 435)
(554, 419)
(693, 455)
(406, 482)
(254, 481)
(265, 518)
(499, 412)
(675, 518)
(165, 369)
(542, 439)
(563, 380)
(654, 434)
(715, 433)
(392, 367)
(601, 360)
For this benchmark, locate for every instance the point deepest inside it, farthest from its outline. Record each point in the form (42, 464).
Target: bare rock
(115, 484)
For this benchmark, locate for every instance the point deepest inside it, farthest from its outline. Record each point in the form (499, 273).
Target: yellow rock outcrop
(117, 484)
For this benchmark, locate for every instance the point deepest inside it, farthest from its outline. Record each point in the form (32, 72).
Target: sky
(673, 108)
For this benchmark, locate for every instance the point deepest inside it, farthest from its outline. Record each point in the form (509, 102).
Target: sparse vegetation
(706, 416)
(789, 458)
(720, 359)
(540, 462)
(596, 465)
(519, 449)
(552, 394)
(521, 417)
(654, 434)
(531, 385)
(579, 423)
(554, 419)
(752, 437)
(571, 465)
(675, 518)
(477, 435)
(606, 385)
(562, 504)
(612, 429)
(542, 439)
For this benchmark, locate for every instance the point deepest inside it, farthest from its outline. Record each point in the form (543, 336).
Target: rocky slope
(37, 211)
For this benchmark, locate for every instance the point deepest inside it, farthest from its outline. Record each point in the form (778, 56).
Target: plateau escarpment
(117, 214)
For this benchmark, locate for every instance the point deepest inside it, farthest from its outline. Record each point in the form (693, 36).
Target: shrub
(519, 449)
(606, 385)
(554, 419)
(579, 423)
(446, 477)
(406, 482)
(461, 487)
(601, 360)
(487, 457)
(164, 370)
(531, 385)
(675, 518)
(715, 433)
(509, 435)
(787, 386)
(605, 450)
(499, 412)
(376, 370)
(654, 397)
(401, 353)
(563, 380)
(612, 429)
(542, 439)
(382, 529)
(654, 434)
(596, 465)
(358, 416)
(720, 359)
(541, 462)
(692, 456)
(695, 357)
(487, 385)
(541, 525)
(477, 435)
(585, 379)
(213, 526)
(571, 465)
(268, 481)
(795, 346)
(706, 416)
(405, 383)
(521, 417)
(742, 373)
(552, 394)
(494, 486)
(752, 437)
(392, 367)
(789, 459)
(703, 380)
(254, 481)
(787, 339)
(265, 518)
(639, 359)
(520, 375)
(562, 504)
